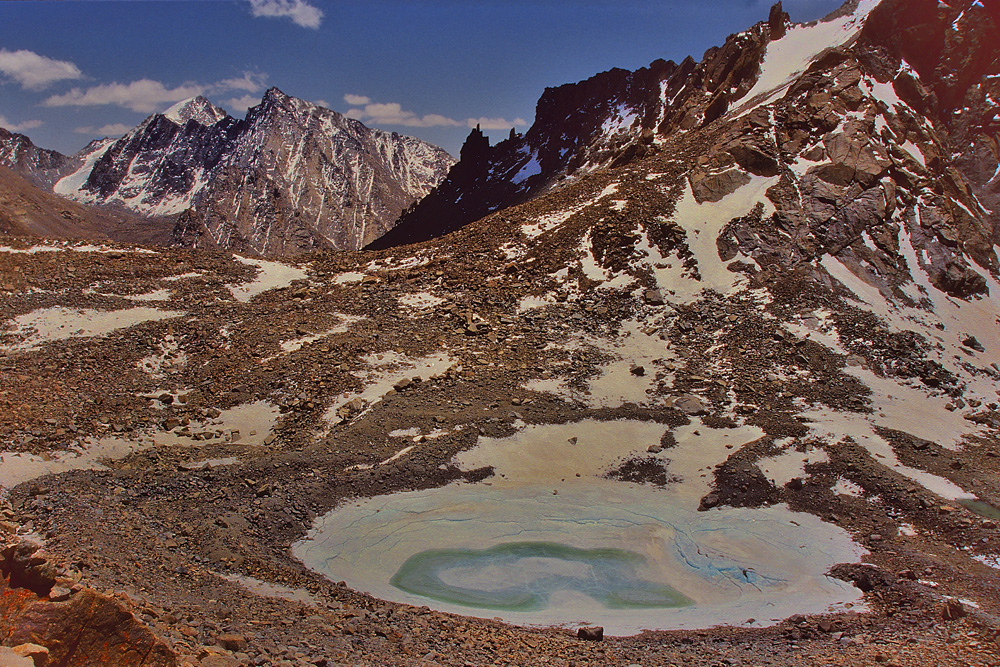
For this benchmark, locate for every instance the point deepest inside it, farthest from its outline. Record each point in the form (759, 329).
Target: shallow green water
(980, 508)
(523, 576)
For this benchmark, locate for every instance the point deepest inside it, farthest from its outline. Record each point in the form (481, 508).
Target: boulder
(755, 160)
(958, 280)
(690, 404)
(11, 658)
(594, 633)
(851, 160)
(714, 187)
(709, 501)
(654, 297)
(973, 344)
(232, 642)
(88, 629)
(952, 610)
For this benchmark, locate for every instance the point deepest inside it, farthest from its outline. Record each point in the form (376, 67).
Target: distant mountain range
(290, 177)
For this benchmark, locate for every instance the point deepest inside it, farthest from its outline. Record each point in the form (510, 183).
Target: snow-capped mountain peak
(197, 109)
(290, 177)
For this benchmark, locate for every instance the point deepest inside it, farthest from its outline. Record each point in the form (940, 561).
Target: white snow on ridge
(532, 168)
(194, 108)
(883, 92)
(791, 55)
(620, 120)
(69, 186)
(946, 326)
(915, 152)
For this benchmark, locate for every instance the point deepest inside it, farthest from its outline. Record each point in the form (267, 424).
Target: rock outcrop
(49, 619)
(611, 118)
(39, 166)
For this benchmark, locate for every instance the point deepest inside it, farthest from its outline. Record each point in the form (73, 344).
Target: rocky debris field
(165, 459)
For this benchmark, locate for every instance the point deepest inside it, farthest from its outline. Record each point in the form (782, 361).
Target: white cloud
(35, 72)
(19, 127)
(147, 96)
(299, 11)
(112, 130)
(144, 95)
(251, 82)
(241, 104)
(392, 113)
(495, 123)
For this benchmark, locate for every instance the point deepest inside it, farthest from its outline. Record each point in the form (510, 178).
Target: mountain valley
(701, 369)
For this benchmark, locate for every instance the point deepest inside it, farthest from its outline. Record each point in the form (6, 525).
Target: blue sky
(78, 70)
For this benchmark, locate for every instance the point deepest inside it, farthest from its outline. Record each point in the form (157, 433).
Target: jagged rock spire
(777, 21)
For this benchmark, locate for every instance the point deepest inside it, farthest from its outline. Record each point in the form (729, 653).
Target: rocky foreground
(233, 401)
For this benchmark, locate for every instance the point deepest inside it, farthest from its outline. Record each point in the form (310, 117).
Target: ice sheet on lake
(729, 564)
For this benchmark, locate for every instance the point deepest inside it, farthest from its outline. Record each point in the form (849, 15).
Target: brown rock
(232, 642)
(713, 187)
(958, 280)
(594, 633)
(953, 610)
(39, 655)
(219, 661)
(690, 404)
(88, 629)
(10, 658)
(710, 501)
(654, 297)
(776, 21)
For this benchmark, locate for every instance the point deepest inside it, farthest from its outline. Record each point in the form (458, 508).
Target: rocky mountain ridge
(39, 166)
(290, 177)
(618, 116)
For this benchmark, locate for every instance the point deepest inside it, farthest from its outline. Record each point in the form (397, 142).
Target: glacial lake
(552, 540)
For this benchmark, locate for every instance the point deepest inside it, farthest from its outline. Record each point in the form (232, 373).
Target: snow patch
(782, 468)
(702, 223)
(387, 369)
(845, 487)
(270, 275)
(349, 278)
(48, 325)
(791, 55)
(420, 300)
(532, 168)
(70, 185)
